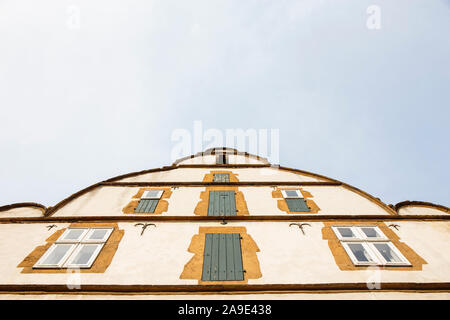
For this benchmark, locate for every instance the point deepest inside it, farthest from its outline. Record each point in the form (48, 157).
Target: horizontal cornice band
(239, 183)
(225, 166)
(247, 288)
(253, 218)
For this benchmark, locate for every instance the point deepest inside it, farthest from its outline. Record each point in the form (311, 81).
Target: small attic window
(221, 158)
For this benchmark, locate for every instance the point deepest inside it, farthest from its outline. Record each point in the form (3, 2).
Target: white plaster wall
(272, 174)
(232, 159)
(102, 201)
(240, 159)
(340, 200)
(286, 255)
(208, 159)
(420, 210)
(181, 175)
(373, 295)
(244, 174)
(109, 201)
(183, 201)
(22, 212)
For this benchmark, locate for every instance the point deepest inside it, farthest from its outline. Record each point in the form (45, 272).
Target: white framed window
(76, 247)
(291, 193)
(368, 245)
(152, 194)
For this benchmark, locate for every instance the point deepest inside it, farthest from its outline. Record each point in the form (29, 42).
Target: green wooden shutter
(222, 258)
(146, 205)
(297, 205)
(221, 177)
(222, 203)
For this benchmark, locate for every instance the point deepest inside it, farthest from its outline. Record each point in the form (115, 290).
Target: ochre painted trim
(344, 262)
(283, 206)
(234, 289)
(202, 206)
(193, 218)
(194, 267)
(408, 203)
(161, 207)
(100, 264)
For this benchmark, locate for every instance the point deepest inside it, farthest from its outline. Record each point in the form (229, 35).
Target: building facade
(224, 224)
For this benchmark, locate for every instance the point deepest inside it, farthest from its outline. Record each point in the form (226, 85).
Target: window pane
(387, 252)
(360, 252)
(84, 254)
(152, 194)
(291, 193)
(57, 254)
(370, 232)
(98, 234)
(346, 232)
(74, 234)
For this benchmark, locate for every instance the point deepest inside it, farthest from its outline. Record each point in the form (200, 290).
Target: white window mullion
(97, 235)
(51, 259)
(84, 256)
(291, 193)
(363, 256)
(152, 194)
(396, 257)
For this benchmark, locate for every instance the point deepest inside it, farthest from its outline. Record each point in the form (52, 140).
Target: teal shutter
(221, 177)
(297, 205)
(222, 203)
(146, 205)
(222, 258)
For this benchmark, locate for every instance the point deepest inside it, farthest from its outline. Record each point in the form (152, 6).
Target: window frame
(76, 247)
(221, 174)
(285, 196)
(157, 197)
(403, 261)
(86, 239)
(40, 263)
(352, 256)
(77, 250)
(62, 239)
(368, 244)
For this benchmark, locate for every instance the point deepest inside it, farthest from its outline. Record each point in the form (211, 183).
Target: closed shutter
(146, 205)
(297, 205)
(222, 203)
(221, 177)
(222, 258)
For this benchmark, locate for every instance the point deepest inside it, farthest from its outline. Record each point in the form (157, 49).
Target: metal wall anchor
(300, 225)
(144, 226)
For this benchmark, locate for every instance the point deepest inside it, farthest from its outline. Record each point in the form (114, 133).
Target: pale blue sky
(368, 107)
